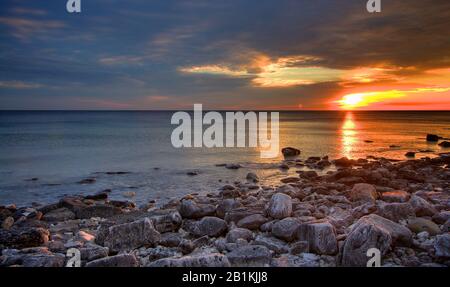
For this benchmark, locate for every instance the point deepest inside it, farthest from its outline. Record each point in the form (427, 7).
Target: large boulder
(121, 260)
(395, 211)
(321, 237)
(58, 215)
(205, 260)
(286, 229)
(280, 206)
(363, 192)
(418, 225)
(128, 236)
(192, 210)
(210, 226)
(250, 256)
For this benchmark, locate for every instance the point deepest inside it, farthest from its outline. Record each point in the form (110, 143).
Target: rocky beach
(402, 208)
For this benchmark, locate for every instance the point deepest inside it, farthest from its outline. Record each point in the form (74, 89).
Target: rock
(441, 217)
(232, 166)
(170, 239)
(401, 235)
(103, 211)
(321, 237)
(343, 162)
(284, 166)
(410, 154)
(250, 256)
(363, 192)
(128, 236)
(286, 229)
(252, 177)
(87, 181)
(418, 225)
(192, 210)
(300, 247)
(290, 152)
(58, 215)
(239, 233)
(303, 260)
(90, 252)
(445, 144)
(23, 237)
(98, 196)
(227, 205)
(186, 246)
(280, 206)
(442, 246)
(38, 259)
(432, 138)
(395, 196)
(167, 222)
(159, 252)
(276, 245)
(8, 223)
(291, 179)
(210, 226)
(395, 211)
(252, 222)
(422, 207)
(208, 260)
(121, 260)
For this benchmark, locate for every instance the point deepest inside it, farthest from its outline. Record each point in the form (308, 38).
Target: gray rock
(303, 260)
(321, 237)
(128, 236)
(250, 256)
(167, 222)
(210, 226)
(121, 260)
(209, 260)
(276, 245)
(227, 205)
(442, 245)
(192, 210)
(252, 222)
(23, 237)
(363, 192)
(418, 225)
(252, 177)
(103, 211)
(239, 233)
(280, 206)
(299, 247)
(92, 251)
(170, 239)
(58, 215)
(422, 207)
(286, 229)
(395, 211)
(441, 217)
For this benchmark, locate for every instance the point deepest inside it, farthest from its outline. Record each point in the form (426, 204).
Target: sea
(45, 154)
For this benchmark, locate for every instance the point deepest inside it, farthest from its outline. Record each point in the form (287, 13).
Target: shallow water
(61, 148)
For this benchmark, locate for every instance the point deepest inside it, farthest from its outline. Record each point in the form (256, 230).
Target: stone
(210, 226)
(8, 222)
(128, 236)
(207, 260)
(432, 138)
(186, 246)
(192, 210)
(58, 215)
(280, 206)
(422, 207)
(395, 196)
(343, 162)
(167, 222)
(442, 246)
(250, 256)
(303, 260)
(227, 205)
(445, 144)
(418, 225)
(441, 217)
(90, 252)
(252, 177)
(103, 211)
(395, 211)
(286, 229)
(39, 259)
(170, 239)
(290, 152)
(252, 222)
(276, 245)
(23, 237)
(410, 154)
(321, 237)
(299, 247)
(121, 260)
(363, 192)
(239, 233)
(98, 196)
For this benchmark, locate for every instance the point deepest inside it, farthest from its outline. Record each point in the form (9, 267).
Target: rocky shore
(312, 219)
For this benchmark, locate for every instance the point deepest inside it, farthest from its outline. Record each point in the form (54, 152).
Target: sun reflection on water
(349, 135)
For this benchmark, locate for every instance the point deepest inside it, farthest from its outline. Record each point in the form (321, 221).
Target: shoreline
(307, 220)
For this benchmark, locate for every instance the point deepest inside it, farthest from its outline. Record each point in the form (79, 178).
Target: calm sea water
(61, 148)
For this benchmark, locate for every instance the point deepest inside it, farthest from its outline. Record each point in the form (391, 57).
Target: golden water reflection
(349, 135)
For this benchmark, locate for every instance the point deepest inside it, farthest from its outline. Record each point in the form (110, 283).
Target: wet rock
(252, 177)
(442, 246)
(290, 152)
(128, 236)
(98, 196)
(23, 237)
(233, 166)
(286, 229)
(252, 222)
(291, 179)
(8, 223)
(210, 226)
(276, 245)
(227, 205)
(239, 233)
(395, 196)
(410, 154)
(432, 138)
(343, 162)
(58, 215)
(192, 210)
(445, 144)
(321, 237)
(250, 256)
(90, 252)
(102, 211)
(280, 206)
(418, 225)
(422, 207)
(121, 260)
(208, 260)
(363, 192)
(395, 211)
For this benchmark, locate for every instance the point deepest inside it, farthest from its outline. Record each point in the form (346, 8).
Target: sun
(351, 101)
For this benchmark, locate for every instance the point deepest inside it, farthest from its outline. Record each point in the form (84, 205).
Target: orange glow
(349, 135)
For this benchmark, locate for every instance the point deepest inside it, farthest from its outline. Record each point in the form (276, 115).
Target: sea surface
(59, 148)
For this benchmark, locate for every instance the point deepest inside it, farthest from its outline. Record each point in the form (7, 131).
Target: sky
(247, 55)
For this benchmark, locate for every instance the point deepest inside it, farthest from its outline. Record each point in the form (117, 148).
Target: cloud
(122, 60)
(19, 85)
(23, 28)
